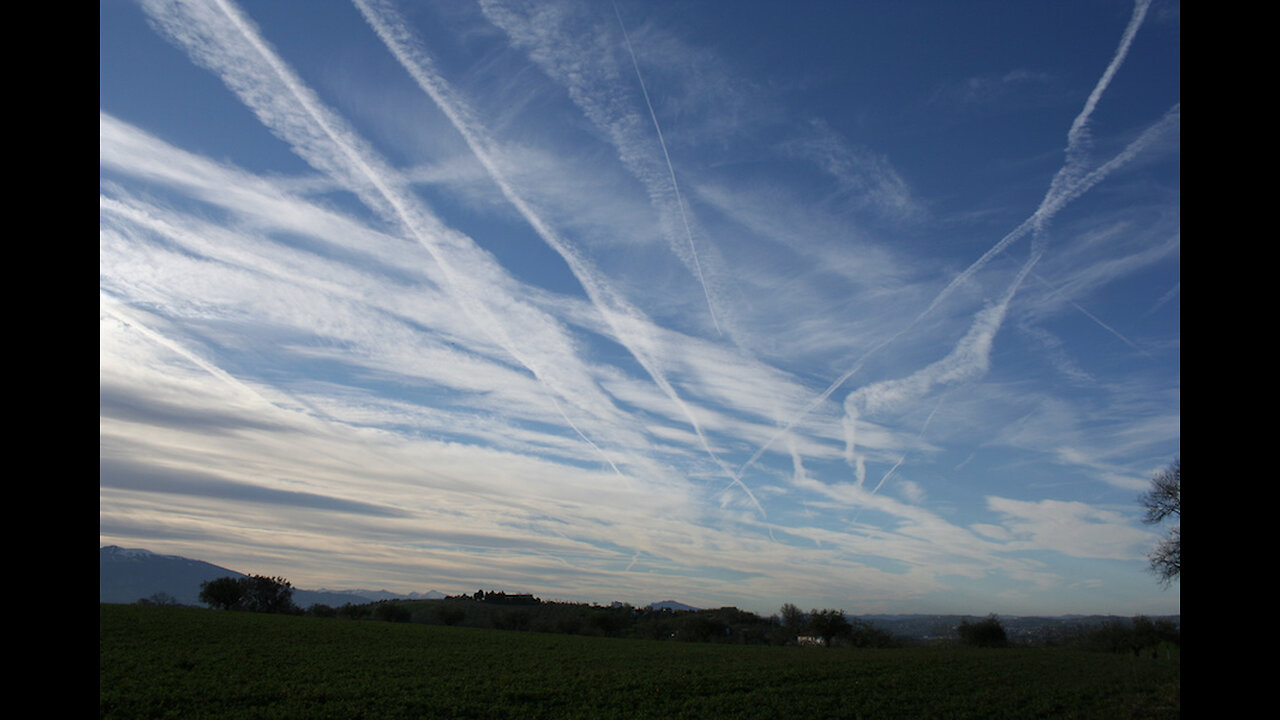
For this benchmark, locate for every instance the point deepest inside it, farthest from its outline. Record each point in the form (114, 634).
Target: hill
(126, 575)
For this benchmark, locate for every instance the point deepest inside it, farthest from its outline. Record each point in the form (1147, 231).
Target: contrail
(617, 312)
(1066, 184)
(217, 36)
(1109, 329)
(141, 218)
(588, 441)
(117, 310)
(1092, 317)
(886, 475)
(671, 168)
(1177, 287)
(1064, 188)
(594, 84)
(904, 455)
(970, 357)
(1077, 136)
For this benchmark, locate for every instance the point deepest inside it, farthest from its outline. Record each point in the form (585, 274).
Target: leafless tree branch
(1164, 501)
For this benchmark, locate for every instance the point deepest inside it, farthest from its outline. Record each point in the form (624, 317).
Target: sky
(871, 306)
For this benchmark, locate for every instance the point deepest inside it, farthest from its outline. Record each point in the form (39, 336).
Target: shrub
(1148, 633)
(321, 610)
(353, 612)
(1121, 636)
(983, 634)
(391, 612)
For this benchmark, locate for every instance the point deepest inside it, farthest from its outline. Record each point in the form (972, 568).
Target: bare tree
(793, 617)
(1164, 502)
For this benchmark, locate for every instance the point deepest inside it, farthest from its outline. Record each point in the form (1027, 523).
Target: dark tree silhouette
(792, 617)
(322, 610)
(163, 598)
(225, 593)
(1164, 502)
(828, 625)
(984, 633)
(351, 611)
(267, 594)
(255, 593)
(391, 612)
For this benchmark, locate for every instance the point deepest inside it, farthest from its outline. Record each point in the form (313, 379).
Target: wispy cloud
(1069, 183)
(587, 65)
(666, 155)
(1072, 528)
(628, 325)
(561, 296)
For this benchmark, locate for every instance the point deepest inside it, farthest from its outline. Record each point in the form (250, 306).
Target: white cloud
(1071, 528)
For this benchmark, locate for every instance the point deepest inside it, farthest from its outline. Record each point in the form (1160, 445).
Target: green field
(164, 662)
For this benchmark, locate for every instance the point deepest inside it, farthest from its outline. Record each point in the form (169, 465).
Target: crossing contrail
(620, 315)
(671, 168)
(218, 36)
(1066, 186)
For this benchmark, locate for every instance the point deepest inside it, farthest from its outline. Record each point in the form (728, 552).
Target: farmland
(171, 662)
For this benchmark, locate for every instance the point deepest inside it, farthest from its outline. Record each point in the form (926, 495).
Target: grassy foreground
(161, 662)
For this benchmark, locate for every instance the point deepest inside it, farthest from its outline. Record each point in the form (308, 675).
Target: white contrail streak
(919, 436)
(1108, 328)
(141, 218)
(597, 88)
(1067, 183)
(1173, 292)
(886, 475)
(1077, 136)
(969, 358)
(617, 312)
(1049, 207)
(1091, 316)
(1065, 187)
(667, 156)
(217, 36)
(588, 441)
(117, 310)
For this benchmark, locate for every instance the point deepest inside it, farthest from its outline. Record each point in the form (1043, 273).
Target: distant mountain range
(671, 605)
(127, 575)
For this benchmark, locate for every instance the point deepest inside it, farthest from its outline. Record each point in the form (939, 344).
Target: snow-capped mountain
(127, 574)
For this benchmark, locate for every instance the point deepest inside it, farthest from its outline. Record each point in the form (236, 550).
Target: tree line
(790, 626)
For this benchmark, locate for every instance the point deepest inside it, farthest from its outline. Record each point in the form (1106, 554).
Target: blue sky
(872, 306)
